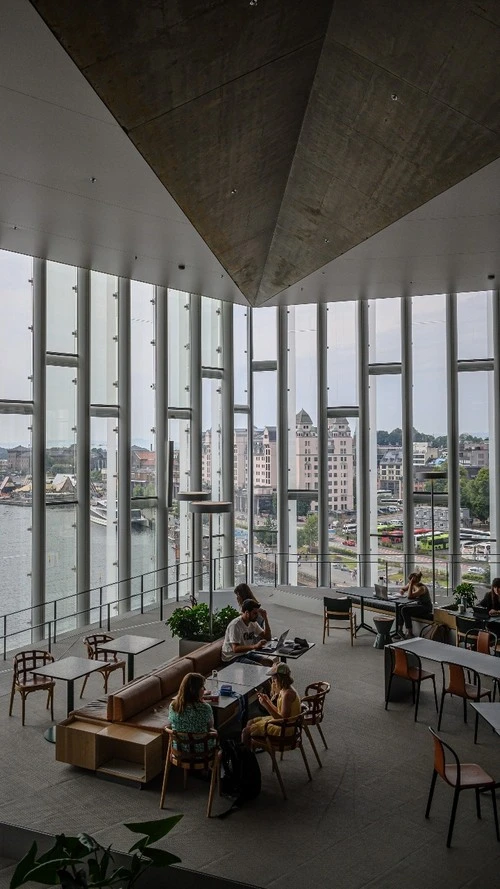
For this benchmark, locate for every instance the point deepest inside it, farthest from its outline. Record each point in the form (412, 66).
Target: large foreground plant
(80, 862)
(194, 623)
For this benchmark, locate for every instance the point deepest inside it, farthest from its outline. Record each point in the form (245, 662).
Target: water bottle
(215, 679)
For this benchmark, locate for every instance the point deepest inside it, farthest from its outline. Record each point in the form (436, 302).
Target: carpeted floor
(359, 823)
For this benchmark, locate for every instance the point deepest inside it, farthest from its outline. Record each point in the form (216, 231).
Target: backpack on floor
(240, 774)
(437, 632)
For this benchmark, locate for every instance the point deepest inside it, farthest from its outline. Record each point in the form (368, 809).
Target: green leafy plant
(194, 623)
(465, 594)
(80, 862)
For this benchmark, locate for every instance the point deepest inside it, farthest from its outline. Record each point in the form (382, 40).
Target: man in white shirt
(244, 636)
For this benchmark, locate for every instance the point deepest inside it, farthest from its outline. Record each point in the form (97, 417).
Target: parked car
(350, 542)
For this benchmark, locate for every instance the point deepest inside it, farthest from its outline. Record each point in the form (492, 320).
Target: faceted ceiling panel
(290, 132)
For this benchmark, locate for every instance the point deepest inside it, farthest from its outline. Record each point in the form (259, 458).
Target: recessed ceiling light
(234, 191)
(93, 180)
(394, 97)
(181, 266)
(491, 277)
(327, 240)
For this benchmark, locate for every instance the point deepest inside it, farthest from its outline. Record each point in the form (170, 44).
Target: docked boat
(99, 516)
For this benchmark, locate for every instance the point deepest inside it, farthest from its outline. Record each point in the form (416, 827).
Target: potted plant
(80, 862)
(192, 625)
(465, 595)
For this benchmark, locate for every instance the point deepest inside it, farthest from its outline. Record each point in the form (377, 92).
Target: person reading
(419, 604)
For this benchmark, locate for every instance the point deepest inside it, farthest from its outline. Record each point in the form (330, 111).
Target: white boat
(99, 516)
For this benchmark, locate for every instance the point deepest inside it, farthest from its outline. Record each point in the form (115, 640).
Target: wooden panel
(76, 743)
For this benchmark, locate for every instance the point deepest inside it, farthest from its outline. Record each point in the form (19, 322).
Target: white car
(475, 569)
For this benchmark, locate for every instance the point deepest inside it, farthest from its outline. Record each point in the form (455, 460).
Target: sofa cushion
(136, 697)
(207, 658)
(171, 675)
(152, 718)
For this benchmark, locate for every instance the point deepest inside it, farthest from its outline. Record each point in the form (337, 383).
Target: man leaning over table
(244, 636)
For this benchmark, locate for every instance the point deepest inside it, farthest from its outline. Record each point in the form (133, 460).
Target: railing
(155, 588)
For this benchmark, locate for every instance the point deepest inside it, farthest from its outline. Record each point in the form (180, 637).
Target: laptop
(478, 611)
(381, 591)
(274, 644)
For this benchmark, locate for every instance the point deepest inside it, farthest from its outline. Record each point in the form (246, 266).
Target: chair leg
(453, 814)
(324, 629)
(84, 684)
(476, 726)
(278, 773)
(478, 803)
(435, 693)
(418, 684)
(105, 676)
(465, 710)
(431, 793)
(320, 730)
(23, 699)
(213, 782)
(495, 812)
(12, 693)
(441, 709)
(413, 691)
(309, 735)
(52, 703)
(123, 674)
(165, 780)
(388, 691)
(308, 770)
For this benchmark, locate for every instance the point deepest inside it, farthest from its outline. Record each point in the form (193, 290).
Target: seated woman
(491, 600)
(243, 593)
(420, 604)
(287, 704)
(188, 712)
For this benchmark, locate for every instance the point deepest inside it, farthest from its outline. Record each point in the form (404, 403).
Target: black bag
(437, 632)
(240, 775)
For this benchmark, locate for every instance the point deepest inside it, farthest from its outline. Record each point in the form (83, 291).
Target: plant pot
(186, 646)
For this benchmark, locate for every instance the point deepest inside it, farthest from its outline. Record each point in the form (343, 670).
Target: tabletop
(249, 675)
(130, 644)
(69, 668)
(284, 652)
(368, 592)
(486, 664)
(490, 713)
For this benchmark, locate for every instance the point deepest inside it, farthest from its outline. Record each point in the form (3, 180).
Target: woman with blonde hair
(287, 704)
(188, 712)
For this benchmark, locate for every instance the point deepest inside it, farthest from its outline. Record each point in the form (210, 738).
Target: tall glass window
(240, 353)
(342, 354)
(142, 368)
(385, 337)
(472, 319)
(16, 347)
(103, 339)
(61, 308)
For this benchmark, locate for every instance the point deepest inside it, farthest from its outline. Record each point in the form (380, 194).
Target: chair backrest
(340, 609)
(92, 644)
(440, 748)
(486, 641)
(404, 661)
(290, 732)
(313, 705)
(464, 624)
(26, 661)
(456, 679)
(192, 749)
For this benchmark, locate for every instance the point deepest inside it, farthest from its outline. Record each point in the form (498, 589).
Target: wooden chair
(460, 776)
(407, 665)
(289, 737)
(313, 706)
(193, 751)
(483, 641)
(25, 682)
(338, 610)
(109, 658)
(465, 625)
(455, 684)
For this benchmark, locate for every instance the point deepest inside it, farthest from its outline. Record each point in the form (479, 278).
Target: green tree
(308, 534)
(267, 535)
(479, 492)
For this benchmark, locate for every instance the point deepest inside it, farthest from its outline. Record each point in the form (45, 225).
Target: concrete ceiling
(290, 133)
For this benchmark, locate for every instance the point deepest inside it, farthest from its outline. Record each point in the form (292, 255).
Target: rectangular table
(130, 645)
(69, 669)
(364, 593)
(490, 713)
(245, 679)
(427, 649)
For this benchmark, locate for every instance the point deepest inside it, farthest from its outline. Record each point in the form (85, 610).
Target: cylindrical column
(195, 386)
(453, 465)
(363, 448)
(38, 523)
(161, 425)
(83, 448)
(228, 442)
(250, 443)
(124, 434)
(407, 430)
(282, 446)
(323, 503)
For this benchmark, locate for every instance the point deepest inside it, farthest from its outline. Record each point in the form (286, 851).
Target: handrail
(251, 563)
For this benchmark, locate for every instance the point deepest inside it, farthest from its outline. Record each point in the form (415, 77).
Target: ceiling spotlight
(253, 2)
(394, 97)
(234, 191)
(327, 240)
(93, 180)
(181, 266)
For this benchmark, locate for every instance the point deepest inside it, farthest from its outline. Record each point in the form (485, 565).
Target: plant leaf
(24, 866)
(48, 872)
(153, 830)
(161, 858)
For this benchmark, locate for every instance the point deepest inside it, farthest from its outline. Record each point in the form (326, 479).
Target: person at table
(491, 600)
(244, 636)
(419, 601)
(188, 712)
(283, 703)
(243, 593)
